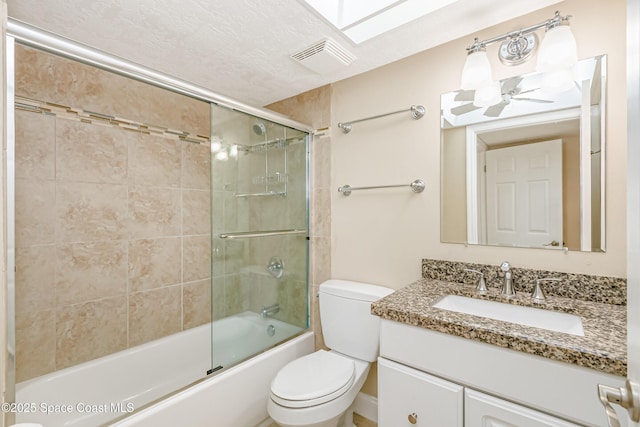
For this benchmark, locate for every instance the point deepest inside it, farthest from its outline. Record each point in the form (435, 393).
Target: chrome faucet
(270, 310)
(507, 286)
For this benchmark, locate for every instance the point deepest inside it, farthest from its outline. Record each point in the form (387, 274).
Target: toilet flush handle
(413, 418)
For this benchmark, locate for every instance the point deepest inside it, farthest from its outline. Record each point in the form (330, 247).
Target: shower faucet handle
(276, 267)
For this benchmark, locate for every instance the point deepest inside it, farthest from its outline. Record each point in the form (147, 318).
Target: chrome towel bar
(251, 234)
(417, 186)
(417, 112)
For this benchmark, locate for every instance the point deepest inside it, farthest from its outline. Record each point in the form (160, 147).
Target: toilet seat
(312, 380)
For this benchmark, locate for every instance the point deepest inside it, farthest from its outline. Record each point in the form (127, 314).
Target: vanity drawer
(482, 410)
(407, 397)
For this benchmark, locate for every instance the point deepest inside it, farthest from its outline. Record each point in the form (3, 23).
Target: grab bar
(251, 234)
(417, 186)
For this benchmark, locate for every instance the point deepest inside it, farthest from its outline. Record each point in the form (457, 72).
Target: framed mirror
(528, 171)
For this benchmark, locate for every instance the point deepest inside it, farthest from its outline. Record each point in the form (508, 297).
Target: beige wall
(380, 236)
(112, 225)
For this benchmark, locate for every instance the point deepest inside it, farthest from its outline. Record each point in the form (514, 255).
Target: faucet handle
(538, 294)
(481, 286)
(505, 266)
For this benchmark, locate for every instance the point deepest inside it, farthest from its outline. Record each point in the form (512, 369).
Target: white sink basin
(527, 316)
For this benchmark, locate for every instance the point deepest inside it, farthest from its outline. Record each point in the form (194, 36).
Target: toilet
(318, 390)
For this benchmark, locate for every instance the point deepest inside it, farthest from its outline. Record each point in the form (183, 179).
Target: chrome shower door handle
(628, 397)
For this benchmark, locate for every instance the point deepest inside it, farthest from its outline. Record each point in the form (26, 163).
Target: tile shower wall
(112, 225)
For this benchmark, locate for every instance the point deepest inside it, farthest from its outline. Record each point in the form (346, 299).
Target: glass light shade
(558, 50)
(488, 95)
(557, 81)
(476, 72)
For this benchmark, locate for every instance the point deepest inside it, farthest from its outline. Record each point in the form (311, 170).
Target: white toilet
(317, 389)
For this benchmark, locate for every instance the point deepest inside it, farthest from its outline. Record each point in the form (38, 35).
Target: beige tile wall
(112, 226)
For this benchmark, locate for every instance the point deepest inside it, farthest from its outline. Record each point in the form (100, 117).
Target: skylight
(361, 20)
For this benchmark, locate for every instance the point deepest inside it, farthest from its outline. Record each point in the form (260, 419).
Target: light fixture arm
(548, 24)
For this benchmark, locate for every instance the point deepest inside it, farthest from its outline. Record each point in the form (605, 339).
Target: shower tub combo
(102, 390)
(246, 204)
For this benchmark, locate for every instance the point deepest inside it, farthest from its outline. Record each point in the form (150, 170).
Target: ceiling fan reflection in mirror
(511, 91)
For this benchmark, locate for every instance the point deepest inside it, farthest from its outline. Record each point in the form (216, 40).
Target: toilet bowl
(317, 390)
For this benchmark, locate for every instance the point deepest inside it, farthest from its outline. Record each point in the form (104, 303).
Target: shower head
(259, 128)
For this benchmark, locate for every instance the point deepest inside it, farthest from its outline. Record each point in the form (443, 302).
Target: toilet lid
(313, 379)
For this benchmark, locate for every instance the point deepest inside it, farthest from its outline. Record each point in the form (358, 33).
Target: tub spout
(270, 310)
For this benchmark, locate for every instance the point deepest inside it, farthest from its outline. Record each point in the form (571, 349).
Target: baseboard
(367, 406)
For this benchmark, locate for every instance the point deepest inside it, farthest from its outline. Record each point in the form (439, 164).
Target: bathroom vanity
(439, 367)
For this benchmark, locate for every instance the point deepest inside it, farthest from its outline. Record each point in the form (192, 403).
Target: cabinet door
(481, 410)
(407, 398)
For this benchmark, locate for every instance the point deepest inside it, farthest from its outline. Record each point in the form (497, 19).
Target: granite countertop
(603, 346)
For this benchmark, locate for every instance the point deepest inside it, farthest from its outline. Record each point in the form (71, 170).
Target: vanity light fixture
(477, 69)
(558, 54)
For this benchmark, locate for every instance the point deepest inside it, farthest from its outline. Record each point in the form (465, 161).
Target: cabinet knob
(413, 418)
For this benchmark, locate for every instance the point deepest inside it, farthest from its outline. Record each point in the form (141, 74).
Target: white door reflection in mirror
(524, 195)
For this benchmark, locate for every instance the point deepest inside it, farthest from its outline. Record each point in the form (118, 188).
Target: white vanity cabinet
(427, 373)
(408, 397)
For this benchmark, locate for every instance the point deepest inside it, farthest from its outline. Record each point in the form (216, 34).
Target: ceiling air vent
(324, 57)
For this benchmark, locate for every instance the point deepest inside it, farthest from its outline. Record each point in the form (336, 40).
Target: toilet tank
(348, 326)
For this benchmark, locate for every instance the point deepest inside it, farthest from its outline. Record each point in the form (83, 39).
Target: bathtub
(101, 391)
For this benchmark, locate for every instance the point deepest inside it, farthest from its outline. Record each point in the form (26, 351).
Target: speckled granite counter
(603, 346)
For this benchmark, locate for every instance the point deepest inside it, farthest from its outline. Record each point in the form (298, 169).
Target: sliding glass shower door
(259, 248)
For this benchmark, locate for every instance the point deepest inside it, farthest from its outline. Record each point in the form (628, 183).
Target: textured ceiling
(241, 48)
